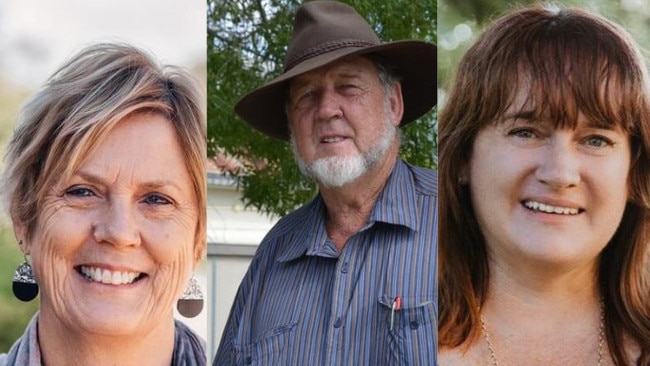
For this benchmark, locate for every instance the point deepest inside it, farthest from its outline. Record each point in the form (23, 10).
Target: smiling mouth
(330, 140)
(557, 210)
(107, 277)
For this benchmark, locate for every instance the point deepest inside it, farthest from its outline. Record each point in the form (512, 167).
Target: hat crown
(324, 26)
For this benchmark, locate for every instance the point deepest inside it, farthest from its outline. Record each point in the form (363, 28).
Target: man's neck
(349, 206)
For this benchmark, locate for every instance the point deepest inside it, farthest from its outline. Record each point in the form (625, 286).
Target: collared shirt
(374, 303)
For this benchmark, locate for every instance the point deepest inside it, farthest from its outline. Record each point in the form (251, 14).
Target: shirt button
(344, 267)
(248, 360)
(414, 325)
(337, 323)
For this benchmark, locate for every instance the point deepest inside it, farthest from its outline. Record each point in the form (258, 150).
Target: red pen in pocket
(397, 306)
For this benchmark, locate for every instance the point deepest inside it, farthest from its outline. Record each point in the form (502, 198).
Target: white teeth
(108, 277)
(538, 206)
(332, 139)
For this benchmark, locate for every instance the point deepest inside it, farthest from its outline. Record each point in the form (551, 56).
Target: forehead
(122, 141)
(348, 67)
(564, 99)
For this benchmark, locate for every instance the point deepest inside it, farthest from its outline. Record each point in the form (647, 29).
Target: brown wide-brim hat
(325, 32)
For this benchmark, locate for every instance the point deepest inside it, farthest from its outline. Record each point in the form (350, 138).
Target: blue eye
(79, 192)
(156, 199)
(597, 141)
(524, 133)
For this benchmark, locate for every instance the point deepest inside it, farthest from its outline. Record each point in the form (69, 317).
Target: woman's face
(113, 247)
(545, 195)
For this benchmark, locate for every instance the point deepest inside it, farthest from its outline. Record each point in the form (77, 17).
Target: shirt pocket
(410, 332)
(272, 348)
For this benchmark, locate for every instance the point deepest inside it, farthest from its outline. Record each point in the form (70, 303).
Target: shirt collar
(396, 205)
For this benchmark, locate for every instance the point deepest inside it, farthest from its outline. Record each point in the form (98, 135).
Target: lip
(109, 275)
(332, 139)
(551, 206)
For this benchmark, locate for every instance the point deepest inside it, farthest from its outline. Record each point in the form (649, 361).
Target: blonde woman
(105, 184)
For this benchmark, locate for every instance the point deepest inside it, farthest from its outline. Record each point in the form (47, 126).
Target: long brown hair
(573, 61)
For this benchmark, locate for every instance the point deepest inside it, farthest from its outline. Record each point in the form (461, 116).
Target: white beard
(337, 171)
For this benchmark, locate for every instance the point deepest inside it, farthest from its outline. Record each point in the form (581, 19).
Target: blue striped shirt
(303, 303)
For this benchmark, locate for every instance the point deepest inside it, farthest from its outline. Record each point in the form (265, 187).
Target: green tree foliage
(461, 22)
(14, 314)
(247, 41)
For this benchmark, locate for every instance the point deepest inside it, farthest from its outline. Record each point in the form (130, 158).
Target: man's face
(342, 120)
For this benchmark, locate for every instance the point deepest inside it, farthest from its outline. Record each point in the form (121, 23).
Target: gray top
(189, 348)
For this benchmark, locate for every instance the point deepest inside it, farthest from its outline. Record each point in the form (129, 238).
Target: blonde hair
(65, 121)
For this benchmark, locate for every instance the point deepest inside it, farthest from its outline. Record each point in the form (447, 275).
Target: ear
(198, 254)
(463, 175)
(20, 231)
(396, 103)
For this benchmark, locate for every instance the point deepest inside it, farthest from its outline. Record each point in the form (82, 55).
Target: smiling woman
(105, 184)
(544, 171)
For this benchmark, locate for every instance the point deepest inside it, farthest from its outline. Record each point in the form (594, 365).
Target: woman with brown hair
(544, 171)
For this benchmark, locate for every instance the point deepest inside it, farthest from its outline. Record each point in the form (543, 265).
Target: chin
(557, 255)
(103, 319)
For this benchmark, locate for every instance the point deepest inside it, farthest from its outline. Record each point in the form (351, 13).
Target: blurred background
(253, 179)
(460, 22)
(36, 37)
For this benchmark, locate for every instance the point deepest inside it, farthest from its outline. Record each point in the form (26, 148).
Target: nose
(559, 166)
(117, 226)
(329, 106)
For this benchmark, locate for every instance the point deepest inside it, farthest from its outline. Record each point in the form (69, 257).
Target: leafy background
(14, 314)
(246, 46)
(460, 22)
(246, 49)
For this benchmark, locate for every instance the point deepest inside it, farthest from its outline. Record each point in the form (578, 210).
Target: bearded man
(350, 278)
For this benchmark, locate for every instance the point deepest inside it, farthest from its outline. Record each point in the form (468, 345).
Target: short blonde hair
(65, 121)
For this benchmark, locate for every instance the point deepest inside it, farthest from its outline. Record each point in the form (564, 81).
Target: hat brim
(415, 62)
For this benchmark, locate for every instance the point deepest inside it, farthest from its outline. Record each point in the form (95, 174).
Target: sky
(36, 37)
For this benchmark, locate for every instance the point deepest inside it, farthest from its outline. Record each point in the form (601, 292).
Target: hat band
(325, 48)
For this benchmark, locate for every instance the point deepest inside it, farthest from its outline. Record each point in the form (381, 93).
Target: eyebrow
(300, 82)
(522, 114)
(531, 115)
(153, 184)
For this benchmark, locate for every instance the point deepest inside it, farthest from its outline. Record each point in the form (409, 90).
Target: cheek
(300, 143)
(489, 170)
(170, 240)
(59, 233)
(495, 178)
(53, 245)
(612, 180)
(299, 125)
(170, 244)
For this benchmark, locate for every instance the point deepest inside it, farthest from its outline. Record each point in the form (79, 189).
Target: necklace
(601, 337)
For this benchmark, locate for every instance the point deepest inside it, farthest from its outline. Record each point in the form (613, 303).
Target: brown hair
(81, 102)
(572, 61)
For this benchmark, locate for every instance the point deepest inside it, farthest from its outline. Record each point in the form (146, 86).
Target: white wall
(233, 236)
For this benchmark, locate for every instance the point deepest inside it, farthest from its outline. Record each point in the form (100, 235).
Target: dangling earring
(191, 302)
(24, 285)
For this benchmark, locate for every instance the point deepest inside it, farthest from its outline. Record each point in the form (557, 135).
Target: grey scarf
(189, 348)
